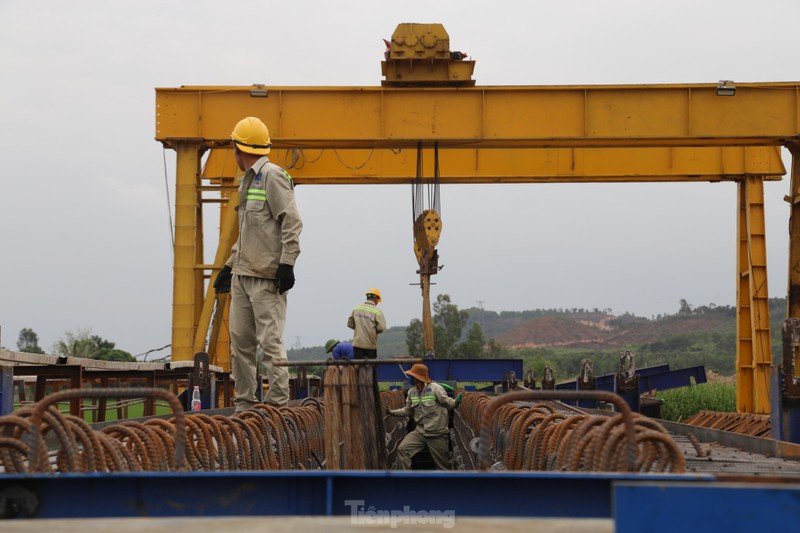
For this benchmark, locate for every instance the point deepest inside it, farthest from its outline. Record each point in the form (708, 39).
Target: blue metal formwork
(636, 502)
(325, 493)
(458, 370)
(658, 377)
(728, 507)
(6, 390)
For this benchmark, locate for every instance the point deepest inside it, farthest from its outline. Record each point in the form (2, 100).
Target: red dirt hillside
(600, 330)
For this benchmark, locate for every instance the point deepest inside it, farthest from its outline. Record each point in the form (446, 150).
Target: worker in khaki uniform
(261, 267)
(430, 405)
(367, 321)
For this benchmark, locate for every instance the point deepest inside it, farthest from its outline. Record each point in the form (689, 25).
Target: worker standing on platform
(339, 350)
(261, 267)
(430, 405)
(367, 321)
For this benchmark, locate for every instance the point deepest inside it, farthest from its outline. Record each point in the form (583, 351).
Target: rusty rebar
(44, 403)
(513, 396)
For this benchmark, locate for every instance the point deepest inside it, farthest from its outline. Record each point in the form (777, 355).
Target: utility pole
(480, 306)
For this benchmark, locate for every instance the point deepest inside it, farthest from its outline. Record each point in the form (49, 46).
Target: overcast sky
(84, 231)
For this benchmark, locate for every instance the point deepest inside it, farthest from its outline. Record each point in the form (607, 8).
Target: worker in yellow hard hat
(430, 406)
(367, 321)
(260, 269)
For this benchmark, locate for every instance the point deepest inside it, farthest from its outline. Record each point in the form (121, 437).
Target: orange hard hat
(420, 372)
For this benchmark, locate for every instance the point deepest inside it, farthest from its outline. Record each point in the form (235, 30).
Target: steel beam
(754, 346)
(518, 165)
(520, 116)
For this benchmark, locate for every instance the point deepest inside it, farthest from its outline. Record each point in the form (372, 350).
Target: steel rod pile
(395, 426)
(263, 438)
(355, 438)
(534, 436)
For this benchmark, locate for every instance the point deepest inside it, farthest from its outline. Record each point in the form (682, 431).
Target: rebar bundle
(353, 418)
(262, 438)
(534, 436)
(395, 426)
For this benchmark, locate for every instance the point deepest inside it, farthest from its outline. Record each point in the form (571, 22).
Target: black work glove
(284, 278)
(223, 281)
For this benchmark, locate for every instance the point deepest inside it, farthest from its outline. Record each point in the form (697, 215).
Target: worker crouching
(430, 405)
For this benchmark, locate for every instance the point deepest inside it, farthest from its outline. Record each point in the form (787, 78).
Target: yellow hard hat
(252, 136)
(375, 292)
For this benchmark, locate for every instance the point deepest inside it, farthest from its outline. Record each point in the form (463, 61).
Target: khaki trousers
(414, 442)
(258, 316)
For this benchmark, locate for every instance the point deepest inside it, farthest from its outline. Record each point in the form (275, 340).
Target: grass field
(134, 409)
(680, 404)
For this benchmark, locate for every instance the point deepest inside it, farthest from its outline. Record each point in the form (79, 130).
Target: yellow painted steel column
(199, 257)
(185, 254)
(228, 234)
(744, 345)
(220, 330)
(221, 171)
(754, 347)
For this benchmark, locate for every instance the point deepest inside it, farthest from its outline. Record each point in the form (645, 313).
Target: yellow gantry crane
(494, 134)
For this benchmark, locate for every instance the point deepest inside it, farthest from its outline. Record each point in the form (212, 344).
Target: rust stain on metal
(742, 423)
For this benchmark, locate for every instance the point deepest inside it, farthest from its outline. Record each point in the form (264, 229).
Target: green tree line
(79, 343)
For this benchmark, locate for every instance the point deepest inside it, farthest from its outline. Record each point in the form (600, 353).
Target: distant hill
(603, 330)
(702, 335)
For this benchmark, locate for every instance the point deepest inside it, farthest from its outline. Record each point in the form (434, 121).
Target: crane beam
(520, 165)
(487, 117)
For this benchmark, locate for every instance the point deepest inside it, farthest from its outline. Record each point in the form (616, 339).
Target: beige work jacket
(367, 321)
(269, 222)
(430, 407)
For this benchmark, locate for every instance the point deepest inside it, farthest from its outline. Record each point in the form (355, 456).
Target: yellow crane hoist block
(420, 55)
(427, 229)
(420, 41)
